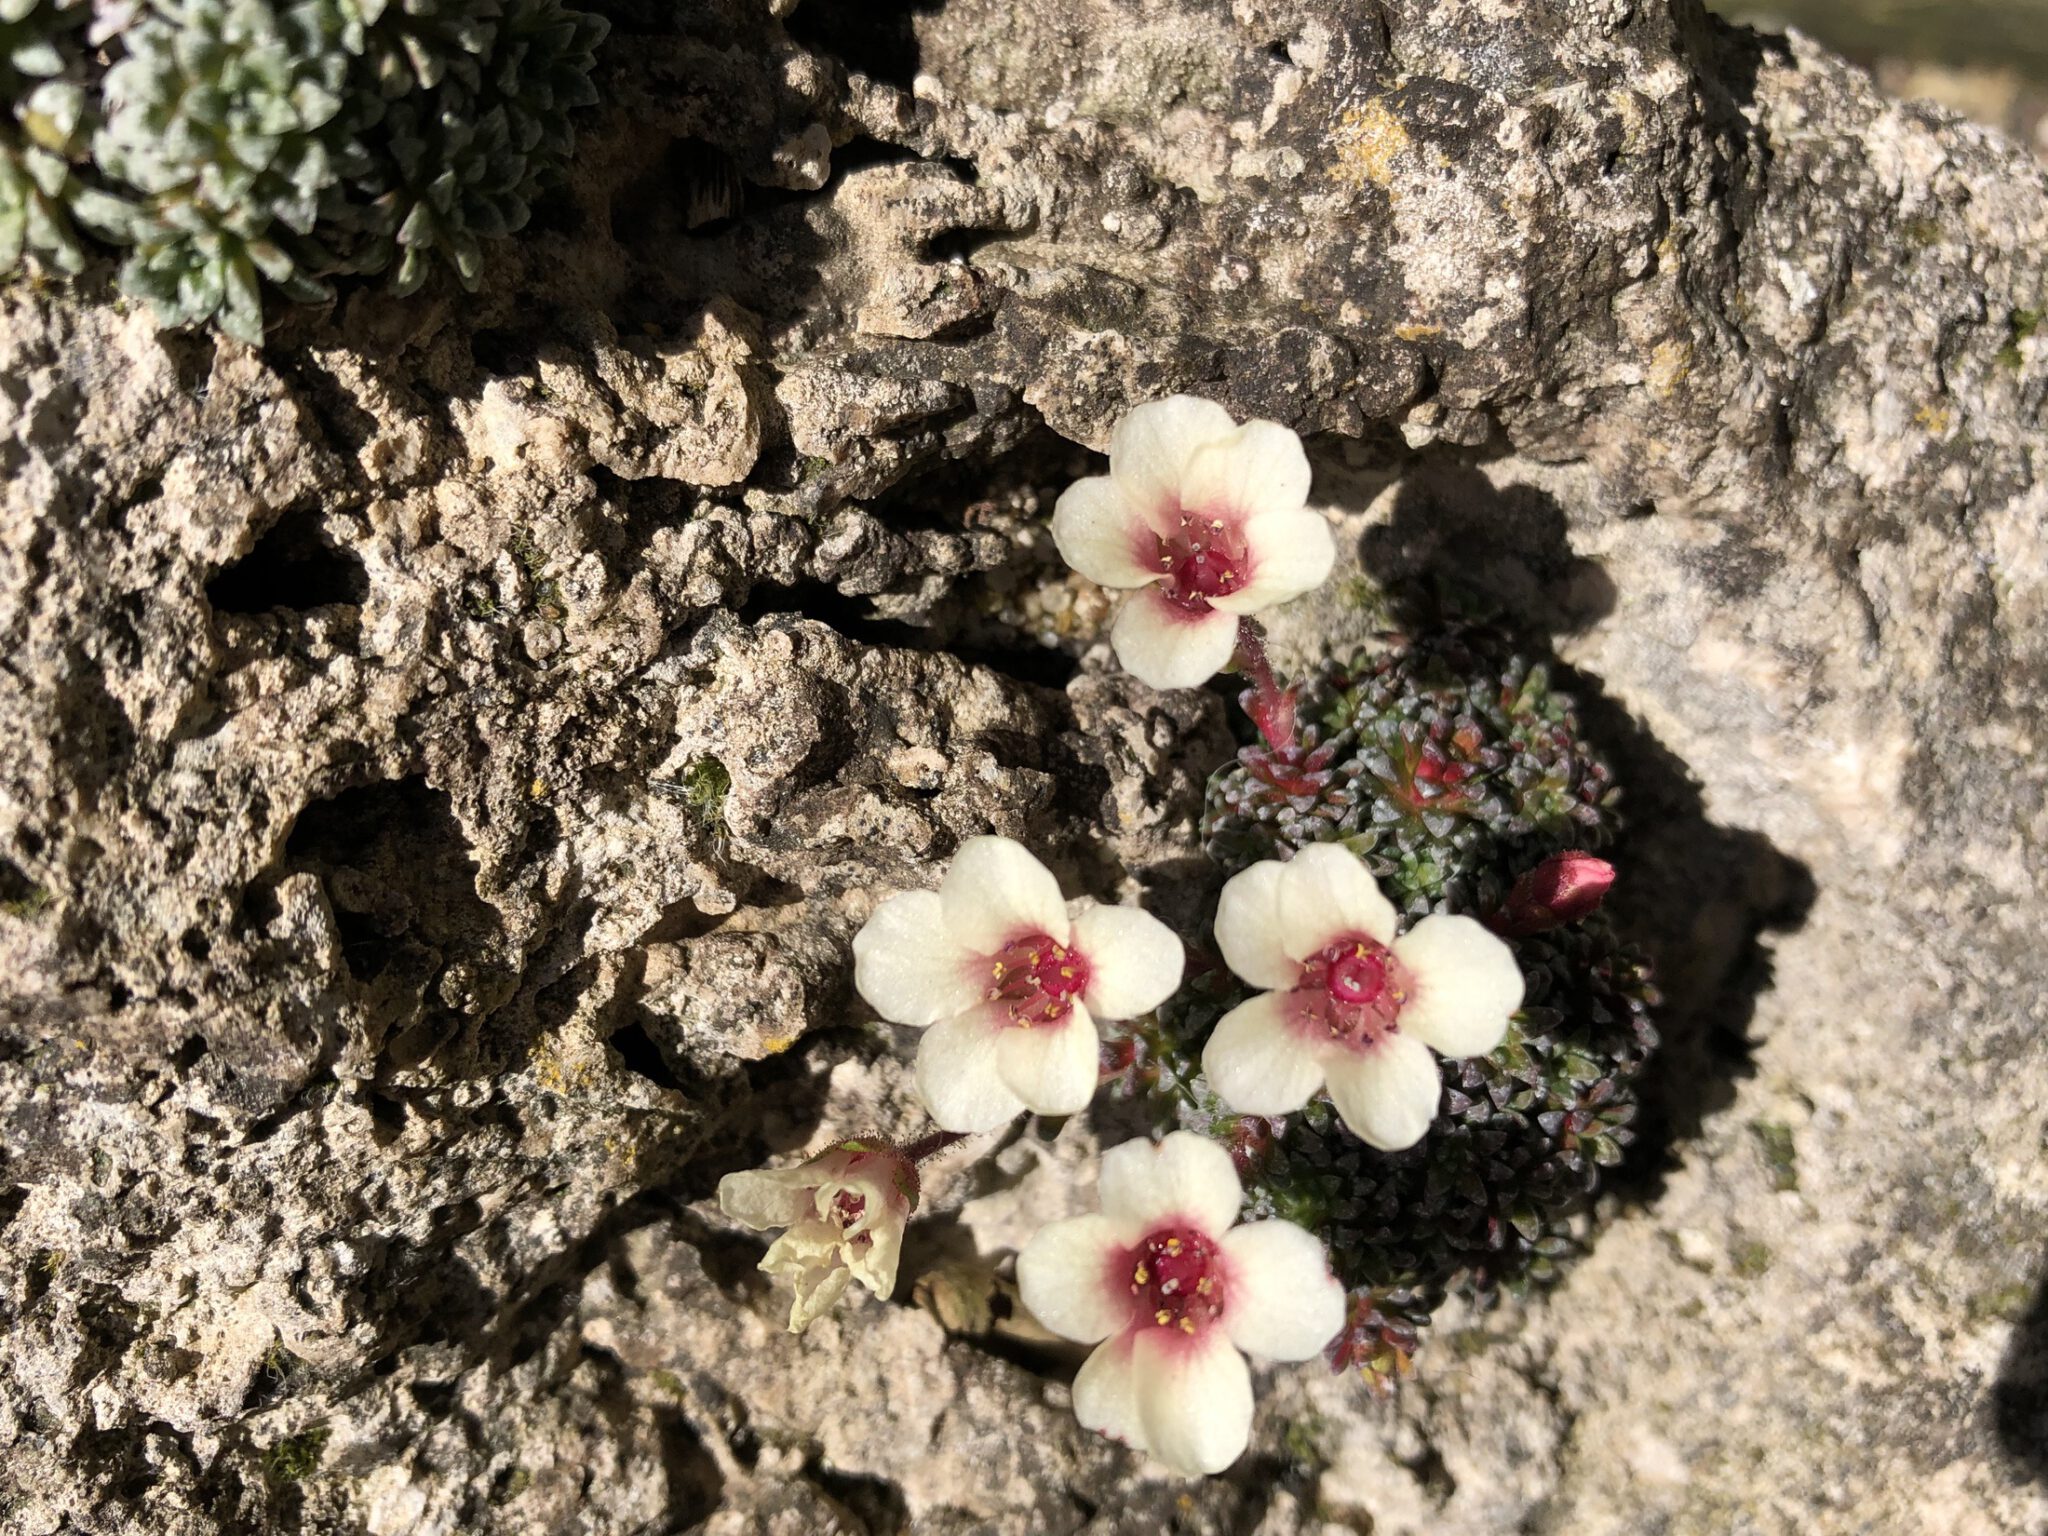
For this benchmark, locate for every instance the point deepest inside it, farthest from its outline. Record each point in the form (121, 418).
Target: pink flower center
(1354, 989)
(847, 1209)
(1203, 557)
(1037, 979)
(1176, 1281)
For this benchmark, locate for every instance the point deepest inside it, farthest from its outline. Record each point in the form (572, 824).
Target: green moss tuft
(297, 1458)
(1780, 1156)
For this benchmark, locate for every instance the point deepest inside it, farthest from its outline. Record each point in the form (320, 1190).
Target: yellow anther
(999, 970)
(1187, 1325)
(1204, 1286)
(1162, 1317)
(1067, 972)
(1173, 1245)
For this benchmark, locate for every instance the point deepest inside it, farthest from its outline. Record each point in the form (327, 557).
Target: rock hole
(292, 567)
(878, 39)
(639, 1054)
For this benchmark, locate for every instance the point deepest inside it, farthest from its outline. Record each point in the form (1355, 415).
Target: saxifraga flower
(1204, 522)
(1174, 1294)
(1007, 978)
(844, 1211)
(1349, 1005)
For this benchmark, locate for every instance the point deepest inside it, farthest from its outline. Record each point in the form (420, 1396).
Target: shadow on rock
(2019, 1398)
(1695, 895)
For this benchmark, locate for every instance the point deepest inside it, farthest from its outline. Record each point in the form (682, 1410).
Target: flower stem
(927, 1147)
(1270, 706)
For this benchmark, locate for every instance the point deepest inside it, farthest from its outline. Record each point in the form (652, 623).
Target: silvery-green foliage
(44, 131)
(238, 142)
(225, 117)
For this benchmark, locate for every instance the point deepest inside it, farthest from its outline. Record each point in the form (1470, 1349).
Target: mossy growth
(702, 787)
(237, 145)
(1453, 765)
(2021, 325)
(1774, 1140)
(298, 1457)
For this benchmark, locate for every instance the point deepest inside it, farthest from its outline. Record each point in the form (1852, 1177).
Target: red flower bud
(1562, 889)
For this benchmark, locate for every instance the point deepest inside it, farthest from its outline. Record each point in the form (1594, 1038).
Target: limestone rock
(444, 756)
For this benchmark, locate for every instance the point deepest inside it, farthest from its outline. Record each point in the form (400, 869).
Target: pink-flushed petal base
(1258, 1062)
(1164, 645)
(1185, 1178)
(1248, 927)
(1326, 894)
(1467, 985)
(958, 1075)
(1070, 1277)
(1103, 536)
(1052, 1068)
(1289, 553)
(1194, 1399)
(1387, 1095)
(995, 891)
(905, 966)
(1134, 960)
(1280, 1300)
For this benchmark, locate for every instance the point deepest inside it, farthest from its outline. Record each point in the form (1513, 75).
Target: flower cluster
(1402, 1089)
(230, 142)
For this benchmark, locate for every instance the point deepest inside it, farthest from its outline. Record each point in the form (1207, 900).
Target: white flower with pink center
(1205, 522)
(1351, 1007)
(1007, 979)
(844, 1210)
(1172, 1290)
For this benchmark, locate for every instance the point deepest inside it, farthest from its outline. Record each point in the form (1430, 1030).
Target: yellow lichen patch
(775, 1045)
(1670, 362)
(1937, 419)
(1414, 332)
(1366, 142)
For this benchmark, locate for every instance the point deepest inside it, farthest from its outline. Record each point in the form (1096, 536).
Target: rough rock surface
(444, 756)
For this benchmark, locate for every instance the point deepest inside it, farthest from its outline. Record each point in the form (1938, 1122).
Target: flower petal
(817, 1292)
(905, 967)
(995, 891)
(1467, 985)
(1327, 893)
(1280, 1301)
(874, 1263)
(958, 1077)
(1291, 553)
(1106, 1394)
(1053, 1069)
(1101, 535)
(1248, 927)
(1151, 446)
(1387, 1095)
(767, 1197)
(1259, 468)
(1163, 645)
(1134, 960)
(1065, 1276)
(1257, 1062)
(1186, 1176)
(1194, 1399)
